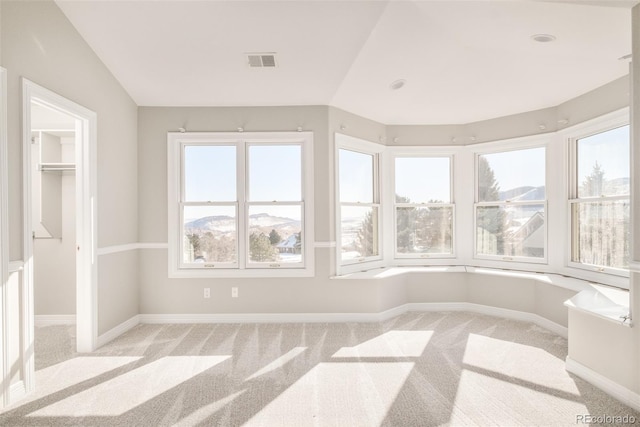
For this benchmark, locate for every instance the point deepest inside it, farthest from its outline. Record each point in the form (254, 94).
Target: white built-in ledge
(602, 301)
(592, 298)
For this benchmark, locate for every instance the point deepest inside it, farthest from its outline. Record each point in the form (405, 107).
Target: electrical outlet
(207, 292)
(234, 292)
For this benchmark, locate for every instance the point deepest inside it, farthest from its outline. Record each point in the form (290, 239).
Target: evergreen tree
(491, 220)
(367, 238)
(260, 249)
(405, 225)
(593, 184)
(274, 237)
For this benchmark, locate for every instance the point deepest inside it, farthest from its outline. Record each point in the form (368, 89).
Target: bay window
(510, 208)
(599, 201)
(423, 208)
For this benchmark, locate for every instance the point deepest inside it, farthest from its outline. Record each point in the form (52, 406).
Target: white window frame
(571, 136)
(518, 144)
(176, 141)
(358, 145)
(426, 152)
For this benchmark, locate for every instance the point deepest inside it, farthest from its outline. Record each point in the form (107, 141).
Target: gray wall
(610, 97)
(319, 294)
(39, 43)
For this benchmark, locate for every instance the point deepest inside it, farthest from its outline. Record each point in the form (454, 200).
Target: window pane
(511, 230)
(359, 232)
(603, 163)
(424, 230)
(275, 173)
(275, 233)
(209, 173)
(356, 177)
(209, 234)
(422, 180)
(512, 175)
(601, 233)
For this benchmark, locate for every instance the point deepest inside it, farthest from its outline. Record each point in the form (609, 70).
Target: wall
(610, 97)
(39, 43)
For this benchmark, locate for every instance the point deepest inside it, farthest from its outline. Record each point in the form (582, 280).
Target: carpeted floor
(418, 369)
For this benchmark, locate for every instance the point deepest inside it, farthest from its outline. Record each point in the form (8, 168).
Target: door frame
(4, 244)
(86, 222)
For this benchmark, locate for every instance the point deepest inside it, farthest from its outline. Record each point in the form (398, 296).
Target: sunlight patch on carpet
(131, 389)
(279, 362)
(74, 371)
(390, 344)
(519, 361)
(348, 394)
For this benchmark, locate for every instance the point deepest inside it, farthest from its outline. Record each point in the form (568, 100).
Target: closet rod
(57, 168)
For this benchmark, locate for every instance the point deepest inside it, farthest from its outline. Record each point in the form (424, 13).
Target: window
(240, 205)
(510, 207)
(359, 202)
(599, 200)
(424, 212)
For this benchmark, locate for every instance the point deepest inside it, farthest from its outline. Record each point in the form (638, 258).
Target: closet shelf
(57, 167)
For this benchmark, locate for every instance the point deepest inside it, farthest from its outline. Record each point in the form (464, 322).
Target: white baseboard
(17, 391)
(55, 319)
(114, 333)
(623, 394)
(491, 311)
(268, 317)
(353, 317)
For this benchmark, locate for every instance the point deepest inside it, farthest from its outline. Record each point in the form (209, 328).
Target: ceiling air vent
(261, 60)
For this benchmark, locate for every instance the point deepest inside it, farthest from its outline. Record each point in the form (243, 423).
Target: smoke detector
(262, 60)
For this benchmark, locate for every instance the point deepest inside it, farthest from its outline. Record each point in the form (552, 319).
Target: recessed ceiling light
(397, 84)
(543, 38)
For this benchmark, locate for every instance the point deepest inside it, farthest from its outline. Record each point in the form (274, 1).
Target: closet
(53, 194)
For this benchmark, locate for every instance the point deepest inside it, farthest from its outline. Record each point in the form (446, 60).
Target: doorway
(60, 271)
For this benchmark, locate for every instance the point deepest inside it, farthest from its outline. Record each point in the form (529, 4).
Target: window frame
(505, 146)
(571, 137)
(349, 143)
(427, 153)
(243, 267)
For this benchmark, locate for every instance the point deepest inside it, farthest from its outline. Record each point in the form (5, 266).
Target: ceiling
(463, 61)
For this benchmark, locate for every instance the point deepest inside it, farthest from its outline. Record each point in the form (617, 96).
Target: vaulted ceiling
(461, 61)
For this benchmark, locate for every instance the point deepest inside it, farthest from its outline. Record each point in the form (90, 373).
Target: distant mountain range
(223, 223)
(610, 187)
(523, 193)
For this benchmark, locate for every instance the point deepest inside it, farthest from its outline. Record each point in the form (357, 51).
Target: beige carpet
(418, 369)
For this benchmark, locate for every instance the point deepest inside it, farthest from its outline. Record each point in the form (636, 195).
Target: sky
(610, 149)
(274, 174)
(520, 168)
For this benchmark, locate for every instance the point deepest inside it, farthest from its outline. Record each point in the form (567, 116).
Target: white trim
(107, 250)
(623, 394)
(86, 221)
(270, 317)
(491, 311)
(54, 319)
(330, 244)
(15, 266)
(634, 266)
(17, 391)
(5, 268)
(353, 317)
(116, 249)
(136, 246)
(115, 332)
